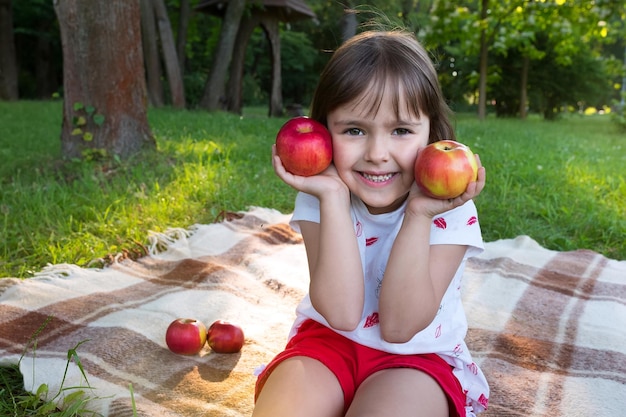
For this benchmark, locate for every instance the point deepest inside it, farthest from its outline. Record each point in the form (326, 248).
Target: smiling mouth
(377, 178)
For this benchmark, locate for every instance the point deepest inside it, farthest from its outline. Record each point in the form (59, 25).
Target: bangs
(405, 96)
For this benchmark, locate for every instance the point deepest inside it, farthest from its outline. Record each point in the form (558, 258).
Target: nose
(377, 149)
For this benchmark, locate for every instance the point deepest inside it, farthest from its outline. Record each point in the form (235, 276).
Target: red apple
(304, 146)
(186, 336)
(225, 337)
(444, 169)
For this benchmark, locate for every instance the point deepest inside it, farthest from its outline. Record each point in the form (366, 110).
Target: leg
(399, 392)
(300, 387)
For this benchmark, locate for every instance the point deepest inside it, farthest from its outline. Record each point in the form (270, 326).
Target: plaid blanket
(548, 328)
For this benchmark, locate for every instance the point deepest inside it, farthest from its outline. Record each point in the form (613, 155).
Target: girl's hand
(419, 204)
(318, 185)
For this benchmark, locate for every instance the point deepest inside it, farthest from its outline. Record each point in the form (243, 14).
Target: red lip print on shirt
(440, 222)
(371, 321)
(472, 220)
(359, 228)
(370, 241)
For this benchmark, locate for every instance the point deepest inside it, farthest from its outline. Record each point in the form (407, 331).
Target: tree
(484, 57)
(151, 54)
(181, 37)
(510, 29)
(8, 59)
(174, 74)
(214, 88)
(155, 24)
(104, 106)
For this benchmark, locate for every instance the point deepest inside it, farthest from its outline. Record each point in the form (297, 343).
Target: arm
(415, 281)
(336, 284)
(336, 287)
(417, 273)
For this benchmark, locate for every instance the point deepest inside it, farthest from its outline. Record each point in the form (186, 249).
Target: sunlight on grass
(562, 183)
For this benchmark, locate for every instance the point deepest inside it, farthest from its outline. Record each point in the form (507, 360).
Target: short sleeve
(307, 208)
(458, 226)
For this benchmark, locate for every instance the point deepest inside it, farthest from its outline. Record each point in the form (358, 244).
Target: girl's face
(375, 153)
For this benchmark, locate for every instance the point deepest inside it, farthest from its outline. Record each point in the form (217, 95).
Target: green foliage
(38, 48)
(565, 30)
(297, 63)
(73, 401)
(553, 85)
(85, 118)
(568, 43)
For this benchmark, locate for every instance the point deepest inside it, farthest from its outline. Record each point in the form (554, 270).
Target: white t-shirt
(446, 333)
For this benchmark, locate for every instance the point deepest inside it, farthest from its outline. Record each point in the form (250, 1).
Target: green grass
(79, 212)
(562, 183)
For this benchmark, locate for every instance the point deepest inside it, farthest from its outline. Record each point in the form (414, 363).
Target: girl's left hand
(420, 204)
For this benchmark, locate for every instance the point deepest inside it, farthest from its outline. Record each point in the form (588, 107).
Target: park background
(93, 162)
(537, 88)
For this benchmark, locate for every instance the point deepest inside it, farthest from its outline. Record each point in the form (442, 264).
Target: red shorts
(352, 363)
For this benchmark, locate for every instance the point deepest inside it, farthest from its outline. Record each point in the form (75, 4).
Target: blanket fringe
(57, 271)
(159, 241)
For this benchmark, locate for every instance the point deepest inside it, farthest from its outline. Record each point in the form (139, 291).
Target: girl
(381, 331)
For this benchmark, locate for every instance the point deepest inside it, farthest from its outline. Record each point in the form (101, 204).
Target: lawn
(563, 183)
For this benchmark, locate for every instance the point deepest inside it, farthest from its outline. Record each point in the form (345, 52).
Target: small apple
(443, 169)
(304, 146)
(225, 337)
(186, 336)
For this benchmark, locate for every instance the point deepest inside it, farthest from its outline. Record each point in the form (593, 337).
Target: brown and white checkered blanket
(548, 328)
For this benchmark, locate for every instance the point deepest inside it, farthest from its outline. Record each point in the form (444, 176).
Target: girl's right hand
(431, 207)
(322, 184)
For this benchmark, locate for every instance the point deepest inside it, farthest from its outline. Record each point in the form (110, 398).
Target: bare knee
(300, 386)
(399, 392)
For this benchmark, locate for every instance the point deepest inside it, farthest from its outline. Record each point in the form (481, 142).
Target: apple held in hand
(444, 169)
(304, 146)
(225, 337)
(186, 336)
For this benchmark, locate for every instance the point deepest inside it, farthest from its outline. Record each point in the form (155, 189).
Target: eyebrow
(400, 122)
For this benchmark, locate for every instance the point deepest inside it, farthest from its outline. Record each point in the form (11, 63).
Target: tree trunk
(169, 54)
(214, 88)
(276, 96)
(523, 97)
(234, 94)
(151, 54)
(8, 58)
(181, 38)
(482, 84)
(104, 106)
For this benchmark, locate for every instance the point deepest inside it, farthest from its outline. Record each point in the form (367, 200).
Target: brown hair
(375, 60)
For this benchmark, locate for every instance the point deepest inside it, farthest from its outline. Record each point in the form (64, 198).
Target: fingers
(280, 170)
(474, 188)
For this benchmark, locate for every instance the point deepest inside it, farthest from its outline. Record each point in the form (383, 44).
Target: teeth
(377, 178)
